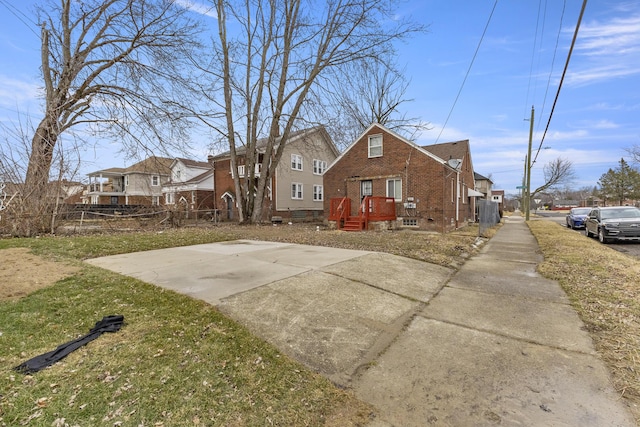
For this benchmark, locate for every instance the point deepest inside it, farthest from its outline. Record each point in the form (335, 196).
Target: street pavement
(491, 344)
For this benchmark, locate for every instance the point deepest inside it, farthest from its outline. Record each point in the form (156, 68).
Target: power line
(533, 54)
(21, 16)
(564, 72)
(553, 60)
(468, 71)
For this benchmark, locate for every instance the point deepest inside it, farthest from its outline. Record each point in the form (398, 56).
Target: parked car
(613, 223)
(577, 217)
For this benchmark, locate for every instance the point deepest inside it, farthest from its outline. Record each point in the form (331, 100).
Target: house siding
(110, 183)
(310, 144)
(310, 149)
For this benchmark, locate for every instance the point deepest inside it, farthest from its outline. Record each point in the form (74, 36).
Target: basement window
(409, 222)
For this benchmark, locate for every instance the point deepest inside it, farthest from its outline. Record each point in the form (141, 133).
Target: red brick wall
(224, 183)
(203, 199)
(423, 178)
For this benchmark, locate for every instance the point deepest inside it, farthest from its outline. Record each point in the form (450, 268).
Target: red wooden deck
(370, 210)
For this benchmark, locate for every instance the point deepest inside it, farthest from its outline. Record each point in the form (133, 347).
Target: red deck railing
(371, 209)
(340, 209)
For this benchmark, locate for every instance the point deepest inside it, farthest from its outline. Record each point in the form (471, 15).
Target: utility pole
(527, 188)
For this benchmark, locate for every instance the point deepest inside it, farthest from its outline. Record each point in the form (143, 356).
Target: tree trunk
(37, 202)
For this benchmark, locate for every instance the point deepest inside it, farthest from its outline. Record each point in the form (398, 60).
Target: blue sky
(517, 66)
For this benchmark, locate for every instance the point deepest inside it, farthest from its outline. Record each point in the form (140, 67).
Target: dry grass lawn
(604, 288)
(177, 361)
(602, 284)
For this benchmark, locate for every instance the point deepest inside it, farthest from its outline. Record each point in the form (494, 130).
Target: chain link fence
(488, 215)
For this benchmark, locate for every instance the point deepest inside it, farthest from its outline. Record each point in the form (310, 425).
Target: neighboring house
(498, 197)
(431, 187)
(69, 192)
(139, 184)
(190, 185)
(483, 185)
(296, 190)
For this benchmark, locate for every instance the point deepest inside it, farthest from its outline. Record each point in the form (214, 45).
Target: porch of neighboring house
(371, 210)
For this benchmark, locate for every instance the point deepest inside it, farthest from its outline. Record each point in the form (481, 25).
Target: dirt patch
(21, 273)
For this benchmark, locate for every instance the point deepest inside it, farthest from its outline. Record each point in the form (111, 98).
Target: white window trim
(318, 190)
(154, 178)
(298, 190)
(374, 137)
(319, 167)
(296, 162)
(453, 195)
(396, 197)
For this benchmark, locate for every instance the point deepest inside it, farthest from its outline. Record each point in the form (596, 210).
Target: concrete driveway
(493, 344)
(333, 309)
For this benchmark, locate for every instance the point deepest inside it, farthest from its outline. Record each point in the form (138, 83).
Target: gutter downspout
(457, 197)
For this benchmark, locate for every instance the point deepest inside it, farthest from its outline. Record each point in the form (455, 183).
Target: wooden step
(353, 224)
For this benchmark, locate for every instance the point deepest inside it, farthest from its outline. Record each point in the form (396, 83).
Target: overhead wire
(553, 60)
(564, 73)
(21, 16)
(533, 55)
(475, 54)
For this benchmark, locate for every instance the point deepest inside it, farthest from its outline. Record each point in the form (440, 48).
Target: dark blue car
(576, 217)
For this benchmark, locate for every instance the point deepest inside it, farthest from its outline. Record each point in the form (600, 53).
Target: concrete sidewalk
(498, 345)
(491, 344)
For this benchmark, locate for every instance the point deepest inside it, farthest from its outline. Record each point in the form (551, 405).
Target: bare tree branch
(558, 172)
(112, 65)
(272, 65)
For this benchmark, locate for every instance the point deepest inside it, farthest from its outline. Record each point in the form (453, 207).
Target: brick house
(139, 184)
(432, 187)
(296, 190)
(190, 186)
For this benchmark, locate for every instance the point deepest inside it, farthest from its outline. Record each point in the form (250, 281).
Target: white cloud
(620, 35)
(14, 91)
(606, 50)
(605, 124)
(197, 7)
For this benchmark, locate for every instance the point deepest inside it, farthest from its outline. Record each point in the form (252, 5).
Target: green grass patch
(176, 362)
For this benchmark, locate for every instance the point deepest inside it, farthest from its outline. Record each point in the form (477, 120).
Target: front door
(229, 201)
(366, 189)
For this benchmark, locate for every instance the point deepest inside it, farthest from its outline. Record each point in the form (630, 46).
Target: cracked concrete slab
(330, 323)
(445, 375)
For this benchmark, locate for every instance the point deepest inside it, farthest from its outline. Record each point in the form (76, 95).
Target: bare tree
(113, 66)
(272, 64)
(556, 173)
(14, 158)
(366, 92)
(634, 152)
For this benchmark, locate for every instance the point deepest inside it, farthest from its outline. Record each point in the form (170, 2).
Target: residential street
(628, 247)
